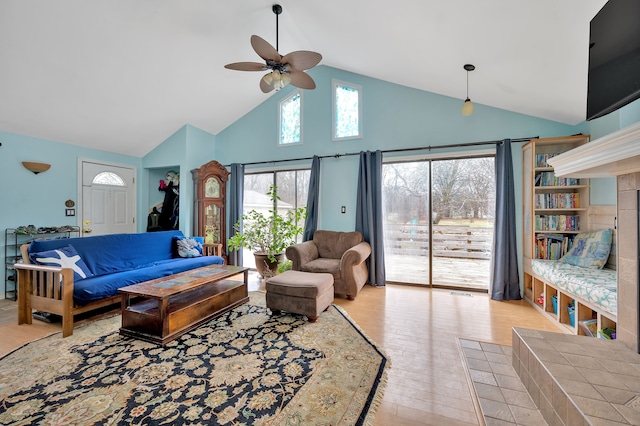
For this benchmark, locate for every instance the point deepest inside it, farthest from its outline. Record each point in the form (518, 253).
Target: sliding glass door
(293, 187)
(439, 221)
(406, 195)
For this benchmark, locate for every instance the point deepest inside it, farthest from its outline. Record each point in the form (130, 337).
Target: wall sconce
(36, 167)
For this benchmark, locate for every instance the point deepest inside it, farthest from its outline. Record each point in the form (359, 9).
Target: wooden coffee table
(163, 309)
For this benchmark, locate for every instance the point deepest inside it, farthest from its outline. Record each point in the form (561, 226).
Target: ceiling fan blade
(302, 80)
(264, 49)
(246, 66)
(301, 60)
(266, 88)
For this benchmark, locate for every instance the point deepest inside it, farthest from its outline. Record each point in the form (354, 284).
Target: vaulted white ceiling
(123, 75)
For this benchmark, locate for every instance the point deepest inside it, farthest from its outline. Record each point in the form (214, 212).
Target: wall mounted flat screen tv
(614, 57)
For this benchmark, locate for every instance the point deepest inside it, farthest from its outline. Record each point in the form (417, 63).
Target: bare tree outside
(463, 192)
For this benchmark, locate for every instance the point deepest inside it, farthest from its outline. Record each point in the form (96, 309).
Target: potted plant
(268, 235)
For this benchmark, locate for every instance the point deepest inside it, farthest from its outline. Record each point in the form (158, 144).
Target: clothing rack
(429, 148)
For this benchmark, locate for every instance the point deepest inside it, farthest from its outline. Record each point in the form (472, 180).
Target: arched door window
(108, 178)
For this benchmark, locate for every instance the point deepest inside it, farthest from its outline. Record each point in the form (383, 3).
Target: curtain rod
(457, 145)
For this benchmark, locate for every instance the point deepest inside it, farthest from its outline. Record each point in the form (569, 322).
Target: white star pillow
(64, 257)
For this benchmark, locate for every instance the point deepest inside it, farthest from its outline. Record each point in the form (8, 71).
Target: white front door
(108, 199)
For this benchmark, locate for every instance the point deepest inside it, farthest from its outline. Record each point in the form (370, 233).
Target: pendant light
(467, 106)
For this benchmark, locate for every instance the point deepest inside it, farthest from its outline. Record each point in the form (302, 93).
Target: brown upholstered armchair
(342, 254)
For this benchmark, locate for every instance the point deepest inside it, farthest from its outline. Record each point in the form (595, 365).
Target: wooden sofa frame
(50, 289)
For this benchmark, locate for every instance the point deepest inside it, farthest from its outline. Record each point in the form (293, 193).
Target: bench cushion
(597, 286)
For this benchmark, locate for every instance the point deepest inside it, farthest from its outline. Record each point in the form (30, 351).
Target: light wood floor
(417, 328)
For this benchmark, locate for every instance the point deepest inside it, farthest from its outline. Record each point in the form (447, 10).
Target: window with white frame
(290, 119)
(347, 110)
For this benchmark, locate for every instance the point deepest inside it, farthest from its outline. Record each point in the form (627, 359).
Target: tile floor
(579, 380)
(502, 397)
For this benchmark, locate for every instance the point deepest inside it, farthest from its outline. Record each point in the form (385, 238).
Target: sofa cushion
(64, 257)
(187, 247)
(106, 254)
(333, 244)
(103, 286)
(589, 249)
(322, 265)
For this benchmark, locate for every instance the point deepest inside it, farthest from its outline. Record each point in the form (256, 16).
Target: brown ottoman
(303, 293)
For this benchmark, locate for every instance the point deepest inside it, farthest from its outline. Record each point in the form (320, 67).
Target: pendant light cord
(467, 84)
(277, 47)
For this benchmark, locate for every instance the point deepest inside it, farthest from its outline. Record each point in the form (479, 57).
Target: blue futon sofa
(92, 269)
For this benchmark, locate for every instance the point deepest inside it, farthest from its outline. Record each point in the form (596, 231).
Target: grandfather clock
(210, 189)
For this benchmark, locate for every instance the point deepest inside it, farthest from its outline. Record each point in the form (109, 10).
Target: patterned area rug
(242, 368)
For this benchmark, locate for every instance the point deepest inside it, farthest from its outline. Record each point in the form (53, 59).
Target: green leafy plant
(285, 266)
(270, 233)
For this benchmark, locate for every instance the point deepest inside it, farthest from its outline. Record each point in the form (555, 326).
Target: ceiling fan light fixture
(285, 79)
(283, 70)
(467, 106)
(268, 78)
(276, 79)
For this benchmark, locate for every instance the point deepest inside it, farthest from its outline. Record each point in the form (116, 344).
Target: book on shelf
(570, 200)
(542, 159)
(550, 179)
(557, 222)
(552, 246)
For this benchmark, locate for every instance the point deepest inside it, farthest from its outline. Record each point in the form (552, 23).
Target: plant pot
(266, 268)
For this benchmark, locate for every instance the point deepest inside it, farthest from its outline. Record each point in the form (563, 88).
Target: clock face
(212, 188)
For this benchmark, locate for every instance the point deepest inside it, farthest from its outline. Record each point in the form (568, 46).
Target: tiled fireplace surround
(579, 380)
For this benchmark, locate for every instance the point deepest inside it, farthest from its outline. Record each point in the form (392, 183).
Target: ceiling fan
(282, 69)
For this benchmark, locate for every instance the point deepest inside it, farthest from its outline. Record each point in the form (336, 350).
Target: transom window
(108, 178)
(290, 120)
(347, 111)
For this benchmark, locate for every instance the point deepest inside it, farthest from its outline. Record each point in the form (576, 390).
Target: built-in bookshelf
(554, 208)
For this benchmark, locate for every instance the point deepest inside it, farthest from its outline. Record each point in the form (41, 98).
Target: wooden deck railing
(448, 241)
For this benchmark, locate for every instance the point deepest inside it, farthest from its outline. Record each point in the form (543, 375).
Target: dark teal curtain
(505, 281)
(236, 191)
(369, 212)
(313, 197)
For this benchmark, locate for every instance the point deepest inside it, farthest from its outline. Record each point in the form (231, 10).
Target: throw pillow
(64, 257)
(590, 249)
(188, 247)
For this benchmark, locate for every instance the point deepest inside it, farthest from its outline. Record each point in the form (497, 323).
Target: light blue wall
(38, 200)
(185, 150)
(394, 117)
(169, 155)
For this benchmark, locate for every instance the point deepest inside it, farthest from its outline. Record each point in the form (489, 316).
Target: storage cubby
(584, 313)
(583, 310)
(564, 301)
(605, 322)
(528, 288)
(549, 294)
(538, 291)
